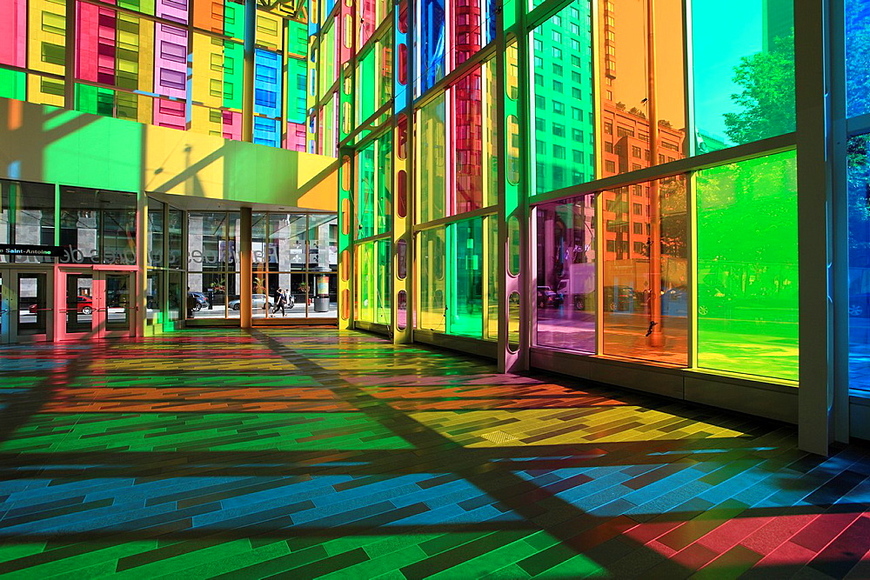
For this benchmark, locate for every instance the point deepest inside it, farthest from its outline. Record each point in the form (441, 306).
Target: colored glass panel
(493, 273)
(743, 81)
(642, 112)
(430, 50)
(373, 281)
(562, 97)
(466, 30)
(490, 135)
(383, 312)
(859, 264)
(431, 148)
(267, 88)
(565, 263)
(296, 137)
(365, 191)
(431, 299)
(297, 72)
(217, 72)
(13, 84)
(365, 88)
(467, 140)
(13, 32)
(267, 131)
(176, 10)
(644, 281)
(384, 190)
(465, 291)
(46, 41)
(747, 269)
(857, 57)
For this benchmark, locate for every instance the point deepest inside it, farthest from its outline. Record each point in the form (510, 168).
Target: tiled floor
(308, 453)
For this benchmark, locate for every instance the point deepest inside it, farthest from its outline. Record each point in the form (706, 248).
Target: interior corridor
(317, 452)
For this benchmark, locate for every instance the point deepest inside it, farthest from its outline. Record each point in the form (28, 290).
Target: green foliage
(857, 64)
(767, 99)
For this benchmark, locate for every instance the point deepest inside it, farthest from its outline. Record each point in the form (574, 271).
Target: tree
(767, 99)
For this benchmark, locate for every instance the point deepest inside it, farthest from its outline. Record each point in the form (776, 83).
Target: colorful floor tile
(314, 453)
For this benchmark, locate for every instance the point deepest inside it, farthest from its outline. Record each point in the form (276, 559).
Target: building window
(558, 130)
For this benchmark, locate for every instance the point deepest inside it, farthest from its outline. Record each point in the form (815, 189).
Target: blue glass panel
(267, 83)
(431, 44)
(857, 57)
(267, 132)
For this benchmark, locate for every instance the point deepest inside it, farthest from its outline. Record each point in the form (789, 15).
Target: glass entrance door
(117, 302)
(25, 306)
(98, 304)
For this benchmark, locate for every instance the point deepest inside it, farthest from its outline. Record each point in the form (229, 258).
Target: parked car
(201, 300)
(257, 301)
(616, 298)
(84, 305)
(859, 305)
(675, 301)
(547, 297)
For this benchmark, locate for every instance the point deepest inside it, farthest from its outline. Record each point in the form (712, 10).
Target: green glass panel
(562, 99)
(743, 80)
(95, 100)
(385, 184)
(747, 272)
(365, 87)
(366, 289)
(384, 277)
(493, 273)
(327, 61)
(234, 60)
(297, 71)
(431, 273)
(465, 309)
(365, 192)
(234, 19)
(13, 84)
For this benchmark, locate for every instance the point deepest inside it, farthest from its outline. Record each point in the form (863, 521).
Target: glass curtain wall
(857, 37)
(618, 271)
(167, 63)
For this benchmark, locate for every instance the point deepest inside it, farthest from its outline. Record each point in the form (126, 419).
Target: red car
(85, 305)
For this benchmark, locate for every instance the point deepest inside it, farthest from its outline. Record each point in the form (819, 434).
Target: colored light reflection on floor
(314, 453)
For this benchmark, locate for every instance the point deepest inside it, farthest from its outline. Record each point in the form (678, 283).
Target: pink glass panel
(88, 41)
(169, 114)
(173, 10)
(232, 125)
(468, 142)
(13, 32)
(295, 137)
